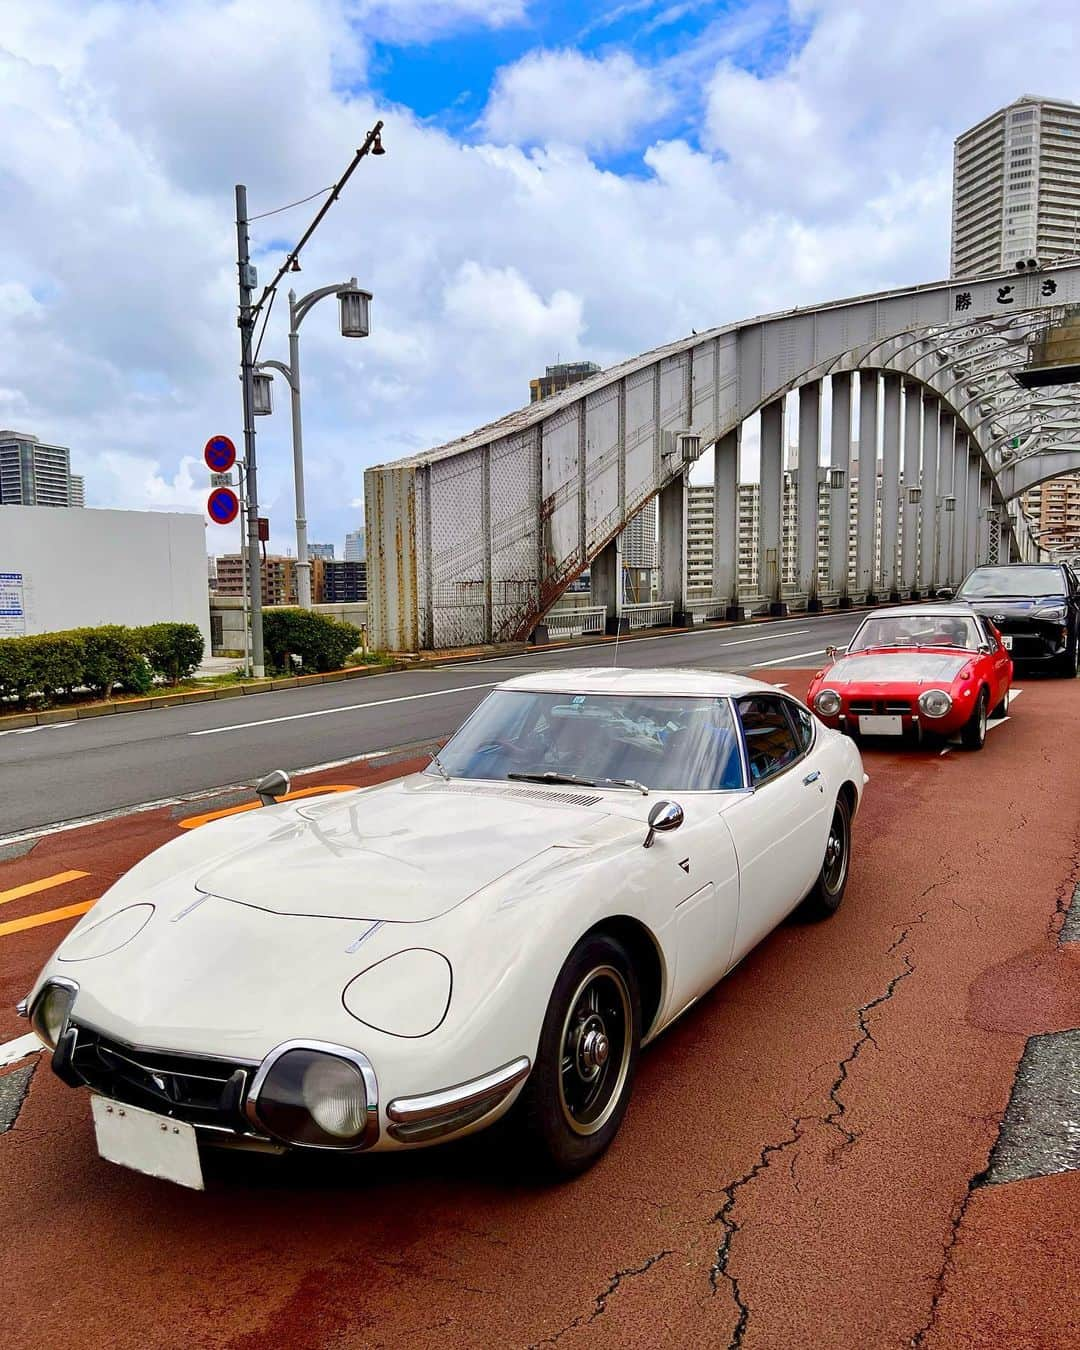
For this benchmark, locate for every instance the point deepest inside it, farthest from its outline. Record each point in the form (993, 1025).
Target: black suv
(1035, 607)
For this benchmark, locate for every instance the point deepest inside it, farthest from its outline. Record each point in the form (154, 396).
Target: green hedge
(99, 659)
(321, 643)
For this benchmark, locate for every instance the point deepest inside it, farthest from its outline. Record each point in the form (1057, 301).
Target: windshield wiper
(551, 776)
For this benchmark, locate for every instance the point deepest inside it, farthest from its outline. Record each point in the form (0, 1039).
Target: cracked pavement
(800, 1165)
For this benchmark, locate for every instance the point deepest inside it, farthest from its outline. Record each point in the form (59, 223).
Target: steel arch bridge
(475, 540)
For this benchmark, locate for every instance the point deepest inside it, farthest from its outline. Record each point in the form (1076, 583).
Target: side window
(770, 741)
(991, 636)
(803, 724)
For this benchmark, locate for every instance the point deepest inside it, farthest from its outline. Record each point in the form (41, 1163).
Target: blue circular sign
(219, 454)
(222, 506)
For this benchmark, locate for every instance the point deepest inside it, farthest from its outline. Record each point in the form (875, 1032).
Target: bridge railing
(576, 622)
(656, 615)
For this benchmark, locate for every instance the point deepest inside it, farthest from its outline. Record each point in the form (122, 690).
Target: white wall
(83, 567)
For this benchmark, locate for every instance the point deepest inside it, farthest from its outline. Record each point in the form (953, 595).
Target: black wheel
(824, 900)
(576, 1096)
(1070, 662)
(1002, 709)
(973, 736)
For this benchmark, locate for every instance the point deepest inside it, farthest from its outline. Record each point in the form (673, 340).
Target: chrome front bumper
(415, 1120)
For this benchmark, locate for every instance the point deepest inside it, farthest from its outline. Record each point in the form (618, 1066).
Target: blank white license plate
(149, 1143)
(881, 726)
(1006, 641)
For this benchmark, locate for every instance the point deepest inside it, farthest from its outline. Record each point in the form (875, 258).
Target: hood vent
(541, 796)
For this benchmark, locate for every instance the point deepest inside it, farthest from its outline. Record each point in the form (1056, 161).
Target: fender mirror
(946, 593)
(273, 786)
(663, 817)
(831, 653)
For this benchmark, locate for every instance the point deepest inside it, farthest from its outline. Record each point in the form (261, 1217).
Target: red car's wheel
(973, 736)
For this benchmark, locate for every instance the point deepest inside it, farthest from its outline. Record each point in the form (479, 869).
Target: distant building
(340, 582)
(35, 474)
(211, 571)
(278, 578)
(557, 378)
(1053, 510)
(354, 545)
(1016, 186)
(320, 551)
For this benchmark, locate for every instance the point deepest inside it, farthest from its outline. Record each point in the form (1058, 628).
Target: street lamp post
(354, 318)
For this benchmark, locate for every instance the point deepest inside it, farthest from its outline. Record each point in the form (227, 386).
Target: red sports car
(936, 668)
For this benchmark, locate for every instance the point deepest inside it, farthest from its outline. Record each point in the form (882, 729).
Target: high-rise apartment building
(278, 578)
(1053, 510)
(354, 545)
(35, 474)
(1016, 187)
(325, 551)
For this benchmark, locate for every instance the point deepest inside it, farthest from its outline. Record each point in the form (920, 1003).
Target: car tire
(572, 1105)
(1070, 662)
(824, 900)
(973, 736)
(1002, 709)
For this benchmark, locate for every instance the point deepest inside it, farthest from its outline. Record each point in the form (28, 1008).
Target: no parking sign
(222, 506)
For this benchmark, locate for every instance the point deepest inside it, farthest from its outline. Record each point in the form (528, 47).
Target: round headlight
(935, 702)
(51, 1010)
(316, 1097)
(827, 703)
(333, 1092)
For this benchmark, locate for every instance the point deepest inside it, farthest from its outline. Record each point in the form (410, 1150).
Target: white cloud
(827, 176)
(571, 99)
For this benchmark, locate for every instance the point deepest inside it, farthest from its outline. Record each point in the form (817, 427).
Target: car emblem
(685, 865)
(997, 618)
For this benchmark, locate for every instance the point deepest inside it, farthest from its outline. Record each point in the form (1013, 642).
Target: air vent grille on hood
(541, 796)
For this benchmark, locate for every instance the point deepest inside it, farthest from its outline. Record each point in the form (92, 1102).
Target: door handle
(811, 778)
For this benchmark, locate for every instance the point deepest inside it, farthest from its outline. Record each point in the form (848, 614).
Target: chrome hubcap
(835, 865)
(595, 1050)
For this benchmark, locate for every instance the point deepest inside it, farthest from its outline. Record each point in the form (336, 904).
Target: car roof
(637, 680)
(941, 610)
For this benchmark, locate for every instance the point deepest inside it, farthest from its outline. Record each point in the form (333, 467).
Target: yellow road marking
(192, 822)
(50, 916)
(32, 887)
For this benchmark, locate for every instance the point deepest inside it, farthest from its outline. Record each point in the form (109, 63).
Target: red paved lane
(795, 1169)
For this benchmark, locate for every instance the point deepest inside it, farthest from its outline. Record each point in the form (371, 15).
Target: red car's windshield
(917, 630)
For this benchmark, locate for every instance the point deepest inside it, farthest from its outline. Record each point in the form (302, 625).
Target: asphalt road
(69, 771)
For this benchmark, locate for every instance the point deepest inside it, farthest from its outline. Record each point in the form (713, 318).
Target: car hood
(406, 852)
(1018, 607)
(906, 667)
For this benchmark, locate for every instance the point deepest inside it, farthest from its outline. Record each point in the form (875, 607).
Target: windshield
(1003, 582)
(918, 630)
(687, 744)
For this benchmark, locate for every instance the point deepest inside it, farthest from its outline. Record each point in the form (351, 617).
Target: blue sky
(562, 181)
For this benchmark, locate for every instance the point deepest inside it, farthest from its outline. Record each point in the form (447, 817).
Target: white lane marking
(786, 660)
(351, 707)
(1000, 721)
(25, 731)
(19, 1049)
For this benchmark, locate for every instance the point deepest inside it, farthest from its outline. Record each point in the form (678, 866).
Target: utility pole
(246, 324)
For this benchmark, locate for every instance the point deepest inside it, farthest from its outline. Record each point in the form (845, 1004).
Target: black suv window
(770, 740)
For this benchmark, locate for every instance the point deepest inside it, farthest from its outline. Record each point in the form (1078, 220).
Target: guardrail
(576, 622)
(656, 615)
(704, 610)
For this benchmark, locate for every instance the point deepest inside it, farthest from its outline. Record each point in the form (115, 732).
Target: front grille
(199, 1090)
(1030, 639)
(869, 707)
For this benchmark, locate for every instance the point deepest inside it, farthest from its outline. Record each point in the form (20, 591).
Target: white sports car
(405, 963)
